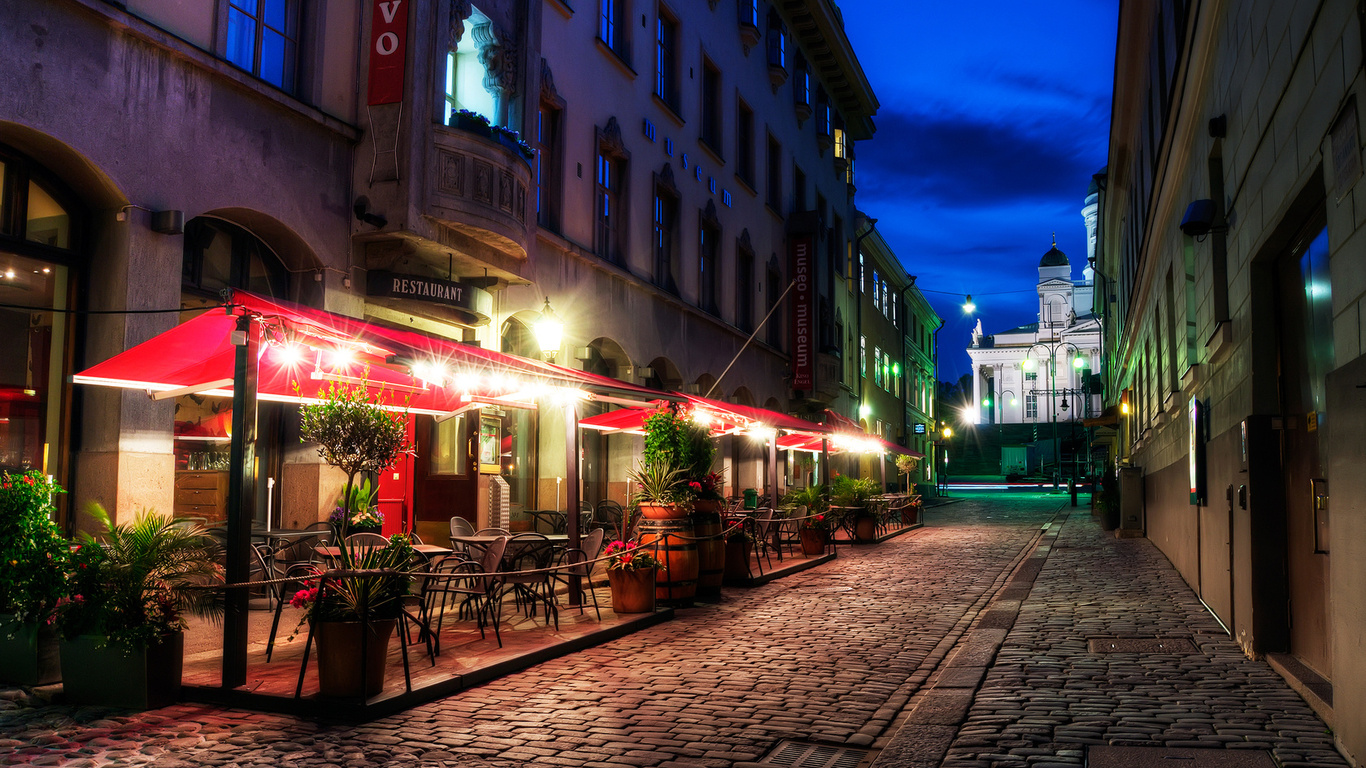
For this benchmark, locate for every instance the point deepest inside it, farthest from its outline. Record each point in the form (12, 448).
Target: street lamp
(1078, 362)
(549, 331)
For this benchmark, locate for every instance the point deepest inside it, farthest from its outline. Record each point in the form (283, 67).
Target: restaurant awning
(303, 350)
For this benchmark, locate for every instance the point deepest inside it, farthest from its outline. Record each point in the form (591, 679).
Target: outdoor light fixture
(1013, 401)
(290, 354)
(986, 401)
(948, 431)
(1029, 364)
(1124, 408)
(865, 410)
(549, 331)
(1079, 362)
(968, 306)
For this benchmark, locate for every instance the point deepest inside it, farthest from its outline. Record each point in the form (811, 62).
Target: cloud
(957, 160)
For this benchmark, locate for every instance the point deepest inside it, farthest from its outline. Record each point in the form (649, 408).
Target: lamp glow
(549, 331)
(865, 410)
(948, 431)
(968, 306)
(1079, 362)
(1124, 408)
(1029, 364)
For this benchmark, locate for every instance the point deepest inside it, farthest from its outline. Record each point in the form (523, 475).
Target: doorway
(1304, 299)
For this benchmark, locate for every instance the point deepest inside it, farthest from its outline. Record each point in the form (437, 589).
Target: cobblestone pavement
(845, 653)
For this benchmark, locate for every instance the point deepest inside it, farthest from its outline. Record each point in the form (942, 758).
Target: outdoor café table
(429, 551)
(557, 521)
(480, 543)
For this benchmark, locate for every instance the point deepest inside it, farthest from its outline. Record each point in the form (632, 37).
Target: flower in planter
(816, 523)
(33, 551)
(628, 556)
(374, 595)
(470, 115)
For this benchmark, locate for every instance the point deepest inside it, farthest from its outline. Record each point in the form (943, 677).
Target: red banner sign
(803, 314)
(388, 50)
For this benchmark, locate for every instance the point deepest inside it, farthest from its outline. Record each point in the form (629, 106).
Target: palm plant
(136, 581)
(812, 497)
(658, 482)
(375, 586)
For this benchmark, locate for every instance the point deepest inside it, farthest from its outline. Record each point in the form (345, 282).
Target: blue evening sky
(994, 116)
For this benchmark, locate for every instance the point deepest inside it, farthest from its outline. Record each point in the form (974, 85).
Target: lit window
(863, 356)
(465, 75)
(263, 39)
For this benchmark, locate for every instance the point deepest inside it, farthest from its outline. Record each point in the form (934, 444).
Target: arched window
(219, 254)
(34, 209)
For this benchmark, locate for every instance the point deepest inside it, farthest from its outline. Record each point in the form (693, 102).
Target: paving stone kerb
(719, 685)
(1047, 696)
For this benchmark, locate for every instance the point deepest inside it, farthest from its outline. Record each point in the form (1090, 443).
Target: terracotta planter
(632, 591)
(339, 657)
(663, 511)
(672, 542)
(147, 678)
(910, 515)
(865, 528)
(737, 559)
(711, 551)
(31, 658)
(813, 542)
(712, 506)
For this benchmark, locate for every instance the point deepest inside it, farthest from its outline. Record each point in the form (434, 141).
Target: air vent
(795, 754)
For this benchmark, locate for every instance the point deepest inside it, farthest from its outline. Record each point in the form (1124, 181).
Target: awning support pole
(571, 477)
(825, 461)
(241, 499)
(773, 471)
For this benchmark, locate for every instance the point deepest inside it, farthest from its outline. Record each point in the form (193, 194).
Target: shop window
(447, 455)
(263, 39)
(466, 73)
(219, 255)
(46, 222)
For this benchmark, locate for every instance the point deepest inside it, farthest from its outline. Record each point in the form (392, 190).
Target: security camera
(1199, 218)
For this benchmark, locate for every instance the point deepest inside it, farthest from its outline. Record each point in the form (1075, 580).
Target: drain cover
(1148, 757)
(795, 754)
(1140, 645)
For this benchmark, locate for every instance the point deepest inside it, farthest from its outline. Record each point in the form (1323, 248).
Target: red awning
(724, 418)
(303, 350)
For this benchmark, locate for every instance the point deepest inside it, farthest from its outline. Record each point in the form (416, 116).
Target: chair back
(461, 527)
(763, 521)
(490, 562)
(528, 551)
(592, 548)
(491, 532)
(366, 540)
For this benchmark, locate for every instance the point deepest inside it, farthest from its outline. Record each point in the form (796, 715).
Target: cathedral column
(977, 392)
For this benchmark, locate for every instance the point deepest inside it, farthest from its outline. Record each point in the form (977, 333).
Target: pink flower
(303, 597)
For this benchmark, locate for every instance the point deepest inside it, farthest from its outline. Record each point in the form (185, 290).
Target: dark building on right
(1230, 274)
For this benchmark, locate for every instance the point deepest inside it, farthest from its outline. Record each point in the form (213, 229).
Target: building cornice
(820, 28)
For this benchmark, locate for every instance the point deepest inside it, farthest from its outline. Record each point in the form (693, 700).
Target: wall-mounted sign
(474, 305)
(803, 314)
(1197, 452)
(388, 50)
(920, 429)
(490, 444)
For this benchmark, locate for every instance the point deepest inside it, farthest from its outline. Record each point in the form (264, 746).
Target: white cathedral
(1041, 372)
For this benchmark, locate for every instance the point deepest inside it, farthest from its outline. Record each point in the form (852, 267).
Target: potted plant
(631, 574)
(706, 522)
(472, 122)
(815, 526)
(123, 624)
(660, 491)
(357, 434)
(33, 559)
(856, 493)
(513, 141)
(352, 613)
(358, 514)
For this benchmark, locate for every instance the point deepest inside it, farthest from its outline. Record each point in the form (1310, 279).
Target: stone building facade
(1229, 279)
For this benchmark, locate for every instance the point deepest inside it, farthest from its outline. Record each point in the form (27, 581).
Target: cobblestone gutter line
(925, 730)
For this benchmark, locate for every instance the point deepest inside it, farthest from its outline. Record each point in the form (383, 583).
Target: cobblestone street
(885, 647)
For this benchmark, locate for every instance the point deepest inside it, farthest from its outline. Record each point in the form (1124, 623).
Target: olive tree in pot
(123, 625)
(33, 558)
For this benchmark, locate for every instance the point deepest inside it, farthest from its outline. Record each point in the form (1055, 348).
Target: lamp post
(549, 332)
(1052, 347)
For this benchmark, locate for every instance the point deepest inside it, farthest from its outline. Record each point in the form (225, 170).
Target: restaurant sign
(803, 314)
(388, 51)
(474, 304)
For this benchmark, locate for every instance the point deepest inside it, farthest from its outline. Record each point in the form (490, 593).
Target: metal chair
(530, 552)
(477, 583)
(576, 562)
(491, 532)
(608, 515)
(366, 540)
(763, 535)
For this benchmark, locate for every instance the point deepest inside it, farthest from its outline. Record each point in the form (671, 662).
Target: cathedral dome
(1054, 258)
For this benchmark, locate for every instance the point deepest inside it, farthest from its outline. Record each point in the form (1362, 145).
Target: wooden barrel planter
(711, 550)
(676, 582)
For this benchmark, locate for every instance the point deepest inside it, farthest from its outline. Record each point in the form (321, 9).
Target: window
(666, 60)
(263, 39)
(798, 189)
(744, 286)
(665, 226)
(885, 300)
(840, 246)
(801, 87)
(610, 192)
(877, 291)
(711, 106)
(548, 166)
(612, 25)
(219, 255)
(744, 143)
(775, 174)
(841, 140)
(709, 258)
(822, 113)
(877, 366)
(748, 12)
(1031, 406)
(862, 273)
(465, 75)
(863, 356)
(777, 41)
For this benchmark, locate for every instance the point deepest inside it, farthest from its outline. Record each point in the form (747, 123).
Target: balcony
(480, 187)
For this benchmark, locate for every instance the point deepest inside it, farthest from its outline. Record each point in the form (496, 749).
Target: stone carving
(548, 93)
(709, 217)
(498, 54)
(666, 180)
(609, 140)
(745, 244)
(505, 191)
(483, 182)
(451, 173)
(460, 10)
